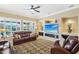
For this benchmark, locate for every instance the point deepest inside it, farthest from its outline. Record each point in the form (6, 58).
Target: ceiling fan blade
(36, 10)
(37, 7)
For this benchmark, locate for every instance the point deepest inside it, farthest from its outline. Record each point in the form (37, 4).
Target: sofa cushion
(17, 37)
(70, 44)
(25, 38)
(25, 35)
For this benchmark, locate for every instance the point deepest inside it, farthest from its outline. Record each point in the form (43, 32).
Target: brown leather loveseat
(23, 36)
(70, 46)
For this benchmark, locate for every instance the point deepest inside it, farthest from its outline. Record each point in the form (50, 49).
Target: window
(13, 25)
(26, 26)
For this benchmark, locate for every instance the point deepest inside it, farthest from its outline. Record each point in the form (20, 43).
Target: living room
(34, 29)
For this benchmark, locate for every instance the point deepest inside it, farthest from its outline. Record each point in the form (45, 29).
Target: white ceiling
(24, 9)
(70, 13)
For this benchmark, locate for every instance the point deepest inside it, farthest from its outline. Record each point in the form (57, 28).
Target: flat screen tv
(51, 28)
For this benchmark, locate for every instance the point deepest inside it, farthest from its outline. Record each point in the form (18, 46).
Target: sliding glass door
(8, 26)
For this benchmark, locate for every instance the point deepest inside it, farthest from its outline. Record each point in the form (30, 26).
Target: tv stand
(49, 34)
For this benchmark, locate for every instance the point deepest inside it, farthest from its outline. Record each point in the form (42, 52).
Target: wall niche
(69, 25)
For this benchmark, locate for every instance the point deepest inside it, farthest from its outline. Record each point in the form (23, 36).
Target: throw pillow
(16, 36)
(32, 34)
(19, 37)
(61, 42)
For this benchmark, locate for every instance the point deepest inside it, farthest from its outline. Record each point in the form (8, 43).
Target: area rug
(39, 46)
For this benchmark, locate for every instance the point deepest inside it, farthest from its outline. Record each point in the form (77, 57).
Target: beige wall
(39, 26)
(3, 14)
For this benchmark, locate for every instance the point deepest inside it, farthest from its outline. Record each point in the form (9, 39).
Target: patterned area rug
(39, 46)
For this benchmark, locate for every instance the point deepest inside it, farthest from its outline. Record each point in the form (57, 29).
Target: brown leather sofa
(22, 37)
(70, 46)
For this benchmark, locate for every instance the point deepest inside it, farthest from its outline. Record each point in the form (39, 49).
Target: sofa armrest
(56, 43)
(59, 50)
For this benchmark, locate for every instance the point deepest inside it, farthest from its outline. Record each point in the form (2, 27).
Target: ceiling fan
(34, 8)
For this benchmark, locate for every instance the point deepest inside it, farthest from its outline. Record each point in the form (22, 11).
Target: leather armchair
(70, 46)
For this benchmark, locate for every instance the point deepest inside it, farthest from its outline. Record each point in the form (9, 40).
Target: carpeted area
(39, 46)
